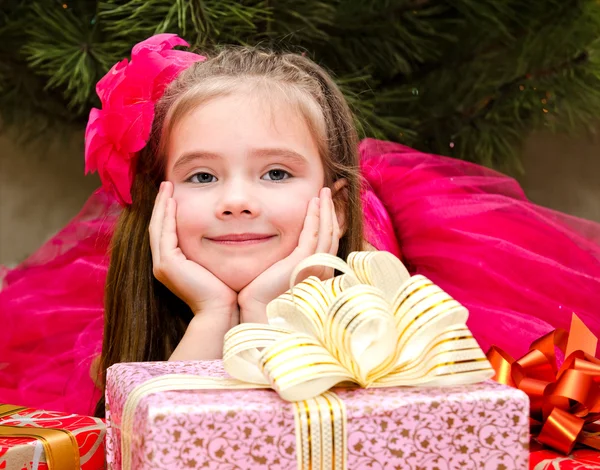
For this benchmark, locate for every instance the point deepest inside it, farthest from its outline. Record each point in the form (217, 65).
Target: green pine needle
(466, 78)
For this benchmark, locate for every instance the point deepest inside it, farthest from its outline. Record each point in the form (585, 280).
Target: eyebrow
(191, 156)
(263, 153)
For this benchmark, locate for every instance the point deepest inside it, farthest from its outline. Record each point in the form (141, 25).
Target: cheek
(287, 215)
(192, 221)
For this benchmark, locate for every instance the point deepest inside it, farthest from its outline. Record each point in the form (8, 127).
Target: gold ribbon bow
(565, 401)
(375, 325)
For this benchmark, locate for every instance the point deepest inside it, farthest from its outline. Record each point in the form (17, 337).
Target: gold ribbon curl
(374, 325)
(565, 401)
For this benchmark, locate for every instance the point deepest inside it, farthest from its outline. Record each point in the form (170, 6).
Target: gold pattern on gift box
(60, 446)
(374, 325)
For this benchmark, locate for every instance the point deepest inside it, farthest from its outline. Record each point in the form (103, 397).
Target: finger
(156, 221)
(325, 225)
(168, 238)
(335, 237)
(309, 236)
(327, 273)
(156, 200)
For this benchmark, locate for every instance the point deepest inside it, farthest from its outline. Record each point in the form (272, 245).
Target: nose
(237, 200)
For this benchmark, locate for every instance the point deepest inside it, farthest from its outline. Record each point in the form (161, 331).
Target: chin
(237, 284)
(237, 278)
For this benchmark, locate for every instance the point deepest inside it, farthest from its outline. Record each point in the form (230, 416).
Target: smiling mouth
(241, 239)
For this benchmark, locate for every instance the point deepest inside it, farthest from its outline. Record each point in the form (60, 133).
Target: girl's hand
(201, 290)
(320, 234)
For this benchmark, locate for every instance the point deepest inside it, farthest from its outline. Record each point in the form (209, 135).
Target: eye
(276, 175)
(202, 178)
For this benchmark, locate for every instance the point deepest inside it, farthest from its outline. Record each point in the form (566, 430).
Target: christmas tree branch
(472, 114)
(486, 50)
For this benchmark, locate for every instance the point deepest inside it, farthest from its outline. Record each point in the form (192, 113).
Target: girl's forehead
(242, 123)
(243, 117)
(262, 104)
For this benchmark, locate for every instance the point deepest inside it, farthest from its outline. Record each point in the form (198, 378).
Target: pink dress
(520, 269)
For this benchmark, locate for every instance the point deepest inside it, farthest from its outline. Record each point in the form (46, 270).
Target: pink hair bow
(128, 92)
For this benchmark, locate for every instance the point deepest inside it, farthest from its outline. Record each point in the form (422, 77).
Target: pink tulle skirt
(51, 315)
(520, 269)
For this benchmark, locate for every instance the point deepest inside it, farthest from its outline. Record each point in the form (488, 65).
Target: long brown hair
(143, 320)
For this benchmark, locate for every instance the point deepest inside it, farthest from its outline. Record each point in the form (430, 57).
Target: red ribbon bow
(565, 401)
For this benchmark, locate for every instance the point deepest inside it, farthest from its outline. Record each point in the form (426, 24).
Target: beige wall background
(563, 173)
(42, 185)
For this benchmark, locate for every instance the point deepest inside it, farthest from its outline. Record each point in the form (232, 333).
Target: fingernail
(161, 185)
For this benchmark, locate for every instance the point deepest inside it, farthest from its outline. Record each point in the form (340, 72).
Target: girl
(250, 166)
(243, 144)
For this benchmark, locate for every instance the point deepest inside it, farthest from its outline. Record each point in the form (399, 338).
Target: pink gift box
(483, 426)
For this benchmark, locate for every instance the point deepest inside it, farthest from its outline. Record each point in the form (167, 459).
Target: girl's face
(244, 171)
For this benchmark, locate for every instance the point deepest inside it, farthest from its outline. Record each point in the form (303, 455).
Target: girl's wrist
(203, 338)
(217, 309)
(220, 317)
(253, 312)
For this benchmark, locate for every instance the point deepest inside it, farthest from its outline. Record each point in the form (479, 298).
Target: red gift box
(33, 439)
(564, 398)
(579, 459)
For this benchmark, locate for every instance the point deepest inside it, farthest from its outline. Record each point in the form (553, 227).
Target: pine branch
(459, 61)
(429, 73)
(474, 114)
(201, 22)
(57, 49)
(501, 133)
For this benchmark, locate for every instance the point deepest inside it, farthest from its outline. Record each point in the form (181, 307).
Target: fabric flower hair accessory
(128, 92)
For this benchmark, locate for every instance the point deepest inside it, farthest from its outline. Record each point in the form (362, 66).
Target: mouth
(238, 239)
